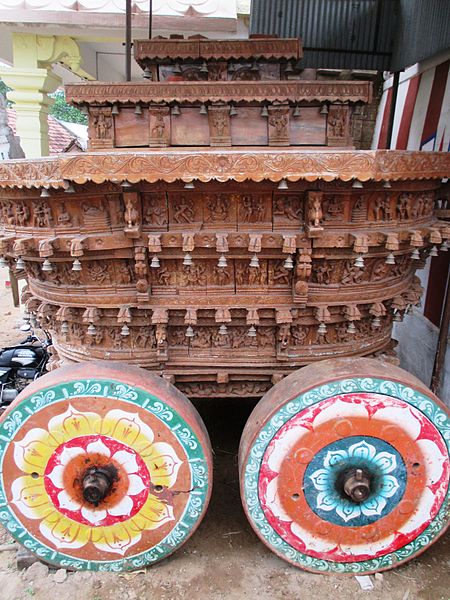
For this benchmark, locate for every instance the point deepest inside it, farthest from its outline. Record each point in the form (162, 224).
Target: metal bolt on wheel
(344, 467)
(103, 468)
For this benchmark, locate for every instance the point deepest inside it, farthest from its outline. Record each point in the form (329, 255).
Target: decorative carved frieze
(212, 91)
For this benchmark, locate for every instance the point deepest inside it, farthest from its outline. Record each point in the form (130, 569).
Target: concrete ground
(224, 560)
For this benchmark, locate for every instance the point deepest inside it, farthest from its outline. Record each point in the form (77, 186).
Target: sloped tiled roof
(60, 139)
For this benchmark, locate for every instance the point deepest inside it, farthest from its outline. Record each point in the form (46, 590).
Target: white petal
(434, 460)
(68, 454)
(65, 501)
(127, 460)
(98, 447)
(273, 503)
(136, 485)
(93, 516)
(56, 476)
(124, 507)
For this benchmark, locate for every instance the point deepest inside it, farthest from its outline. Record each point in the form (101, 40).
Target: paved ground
(224, 560)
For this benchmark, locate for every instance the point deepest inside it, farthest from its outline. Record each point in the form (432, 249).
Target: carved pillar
(278, 125)
(219, 126)
(32, 79)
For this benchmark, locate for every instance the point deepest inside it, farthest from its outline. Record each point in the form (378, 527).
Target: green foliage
(63, 111)
(3, 90)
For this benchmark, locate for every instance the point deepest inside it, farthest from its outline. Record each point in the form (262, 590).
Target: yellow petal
(31, 454)
(156, 512)
(127, 428)
(163, 463)
(65, 533)
(30, 497)
(115, 538)
(73, 423)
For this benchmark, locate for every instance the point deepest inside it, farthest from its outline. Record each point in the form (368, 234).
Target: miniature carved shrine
(222, 232)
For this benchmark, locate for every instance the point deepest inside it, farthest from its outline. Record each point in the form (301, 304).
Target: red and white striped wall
(422, 114)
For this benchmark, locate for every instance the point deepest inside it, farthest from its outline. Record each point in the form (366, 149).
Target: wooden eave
(238, 164)
(220, 91)
(160, 50)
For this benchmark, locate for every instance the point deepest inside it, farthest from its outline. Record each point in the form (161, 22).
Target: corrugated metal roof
(424, 30)
(336, 34)
(357, 34)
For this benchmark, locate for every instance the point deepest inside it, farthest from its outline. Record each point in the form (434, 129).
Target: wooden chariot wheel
(103, 467)
(344, 467)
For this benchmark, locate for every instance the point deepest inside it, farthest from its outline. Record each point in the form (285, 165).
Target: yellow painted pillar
(32, 79)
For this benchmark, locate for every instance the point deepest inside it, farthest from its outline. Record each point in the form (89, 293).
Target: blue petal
(348, 511)
(327, 501)
(335, 457)
(386, 461)
(373, 506)
(389, 486)
(321, 479)
(362, 450)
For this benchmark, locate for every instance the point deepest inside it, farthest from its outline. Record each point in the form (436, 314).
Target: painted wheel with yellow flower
(103, 467)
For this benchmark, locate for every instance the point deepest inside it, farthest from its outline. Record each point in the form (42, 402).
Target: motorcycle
(22, 364)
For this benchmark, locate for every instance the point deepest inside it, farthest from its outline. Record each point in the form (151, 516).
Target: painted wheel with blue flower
(344, 467)
(103, 467)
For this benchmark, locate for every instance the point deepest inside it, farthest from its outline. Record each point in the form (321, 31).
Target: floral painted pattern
(324, 497)
(46, 492)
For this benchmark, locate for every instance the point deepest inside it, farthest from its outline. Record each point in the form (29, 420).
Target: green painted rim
(114, 390)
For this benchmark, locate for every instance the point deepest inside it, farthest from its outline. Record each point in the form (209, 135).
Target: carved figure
(155, 214)
(221, 275)
(333, 208)
(253, 209)
(281, 275)
(98, 272)
(218, 208)
(404, 207)
(159, 128)
(315, 211)
(382, 209)
(43, 215)
(131, 213)
(22, 214)
(103, 124)
(184, 211)
(279, 121)
(63, 217)
(352, 275)
(284, 206)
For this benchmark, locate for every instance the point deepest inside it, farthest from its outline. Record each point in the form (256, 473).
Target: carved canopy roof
(146, 51)
(222, 165)
(216, 91)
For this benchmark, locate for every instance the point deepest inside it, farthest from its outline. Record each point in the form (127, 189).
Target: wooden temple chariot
(223, 230)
